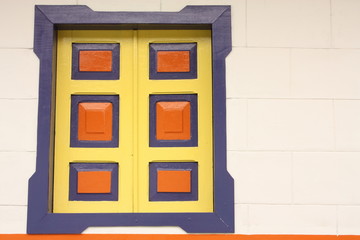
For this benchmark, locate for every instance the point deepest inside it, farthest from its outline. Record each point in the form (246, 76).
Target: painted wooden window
(134, 122)
(138, 118)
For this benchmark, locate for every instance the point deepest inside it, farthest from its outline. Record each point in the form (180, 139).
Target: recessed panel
(173, 181)
(173, 120)
(94, 121)
(95, 61)
(93, 182)
(173, 61)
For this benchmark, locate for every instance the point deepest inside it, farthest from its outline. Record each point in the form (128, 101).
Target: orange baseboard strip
(173, 237)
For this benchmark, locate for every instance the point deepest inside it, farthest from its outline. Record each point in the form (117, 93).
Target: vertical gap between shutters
(135, 153)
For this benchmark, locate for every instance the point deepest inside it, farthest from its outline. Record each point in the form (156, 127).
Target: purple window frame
(48, 19)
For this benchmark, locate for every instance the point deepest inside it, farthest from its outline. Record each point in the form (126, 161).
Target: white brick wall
(236, 116)
(292, 219)
(19, 83)
(258, 72)
(284, 23)
(348, 220)
(347, 116)
(325, 73)
(12, 219)
(293, 112)
(18, 124)
(290, 124)
(345, 23)
(261, 177)
(16, 168)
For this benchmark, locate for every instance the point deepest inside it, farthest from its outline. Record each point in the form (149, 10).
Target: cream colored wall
(293, 105)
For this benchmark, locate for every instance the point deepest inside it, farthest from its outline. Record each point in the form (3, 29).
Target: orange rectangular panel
(173, 61)
(173, 121)
(95, 121)
(95, 61)
(173, 181)
(94, 182)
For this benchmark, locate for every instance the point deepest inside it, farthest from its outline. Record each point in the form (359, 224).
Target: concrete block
(315, 178)
(16, 169)
(326, 178)
(13, 219)
(18, 124)
(282, 23)
(286, 219)
(275, 124)
(347, 131)
(241, 219)
(20, 73)
(258, 72)
(236, 110)
(18, 30)
(261, 177)
(325, 73)
(348, 220)
(345, 23)
(348, 178)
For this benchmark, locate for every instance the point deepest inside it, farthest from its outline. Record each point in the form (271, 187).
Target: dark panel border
(41, 220)
(156, 47)
(86, 167)
(192, 99)
(83, 75)
(154, 195)
(75, 100)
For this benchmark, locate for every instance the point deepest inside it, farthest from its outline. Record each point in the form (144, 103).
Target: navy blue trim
(41, 220)
(75, 100)
(223, 182)
(192, 99)
(83, 75)
(154, 195)
(87, 167)
(157, 47)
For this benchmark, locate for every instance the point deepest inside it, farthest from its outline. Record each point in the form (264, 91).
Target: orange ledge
(173, 237)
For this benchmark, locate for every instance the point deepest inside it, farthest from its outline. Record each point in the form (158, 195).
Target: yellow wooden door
(133, 121)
